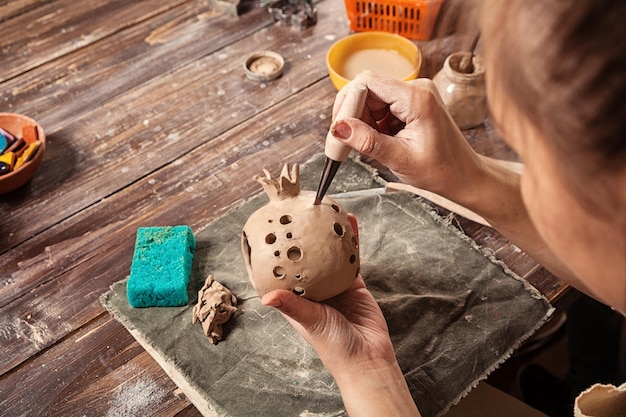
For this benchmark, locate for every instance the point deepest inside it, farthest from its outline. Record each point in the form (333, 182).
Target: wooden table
(150, 120)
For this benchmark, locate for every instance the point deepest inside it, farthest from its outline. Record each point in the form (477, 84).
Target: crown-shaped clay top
(287, 186)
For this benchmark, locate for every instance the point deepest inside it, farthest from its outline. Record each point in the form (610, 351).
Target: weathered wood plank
(189, 411)
(12, 8)
(203, 184)
(150, 122)
(60, 91)
(153, 123)
(99, 361)
(150, 126)
(58, 28)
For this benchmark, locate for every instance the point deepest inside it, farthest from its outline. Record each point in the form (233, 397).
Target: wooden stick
(451, 205)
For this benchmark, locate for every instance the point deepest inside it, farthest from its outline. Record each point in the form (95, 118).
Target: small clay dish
(22, 127)
(264, 66)
(383, 52)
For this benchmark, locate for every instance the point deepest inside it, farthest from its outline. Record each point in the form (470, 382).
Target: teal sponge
(159, 274)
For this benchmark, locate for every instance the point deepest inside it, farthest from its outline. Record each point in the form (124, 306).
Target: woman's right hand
(406, 127)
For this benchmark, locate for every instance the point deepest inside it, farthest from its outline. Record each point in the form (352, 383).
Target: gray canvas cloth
(454, 314)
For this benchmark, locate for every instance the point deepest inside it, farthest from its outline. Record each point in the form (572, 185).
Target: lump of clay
(215, 306)
(292, 244)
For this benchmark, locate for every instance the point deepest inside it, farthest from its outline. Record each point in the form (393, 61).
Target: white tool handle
(352, 106)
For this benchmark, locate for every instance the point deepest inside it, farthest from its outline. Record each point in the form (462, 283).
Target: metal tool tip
(328, 173)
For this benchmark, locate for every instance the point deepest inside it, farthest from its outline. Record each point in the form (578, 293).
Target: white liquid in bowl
(385, 61)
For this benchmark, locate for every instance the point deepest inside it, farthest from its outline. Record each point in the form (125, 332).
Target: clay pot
(292, 244)
(463, 93)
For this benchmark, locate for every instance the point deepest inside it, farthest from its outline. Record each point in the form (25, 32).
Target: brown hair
(563, 64)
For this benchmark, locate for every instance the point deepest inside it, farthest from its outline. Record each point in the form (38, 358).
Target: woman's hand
(406, 127)
(346, 330)
(351, 337)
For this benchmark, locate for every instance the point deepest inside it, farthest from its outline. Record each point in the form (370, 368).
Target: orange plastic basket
(411, 19)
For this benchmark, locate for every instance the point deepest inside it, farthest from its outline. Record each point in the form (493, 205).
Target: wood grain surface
(150, 120)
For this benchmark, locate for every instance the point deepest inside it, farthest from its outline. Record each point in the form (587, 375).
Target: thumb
(308, 314)
(364, 139)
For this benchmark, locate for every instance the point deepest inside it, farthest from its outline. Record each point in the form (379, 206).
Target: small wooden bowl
(22, 127)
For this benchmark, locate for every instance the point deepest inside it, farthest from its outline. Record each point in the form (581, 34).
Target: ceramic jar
(463, 93)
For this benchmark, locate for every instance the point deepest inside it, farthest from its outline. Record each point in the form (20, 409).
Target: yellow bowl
(384, 52)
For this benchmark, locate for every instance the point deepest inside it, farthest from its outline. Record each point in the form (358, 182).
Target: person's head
(556, 85)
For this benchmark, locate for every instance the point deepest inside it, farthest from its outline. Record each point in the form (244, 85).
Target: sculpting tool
(337, 152)
(466, 65)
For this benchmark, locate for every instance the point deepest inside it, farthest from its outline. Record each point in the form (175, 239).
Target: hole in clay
(286, 219)
(338, 229)
(298, 291)
(270, 220)
(277, 253)
(270, 238)
(298, 276)
(294, 253)
(335, 207)
(354, 242)
(279, 272)
(352, 258)
(289, 235)
(248, 249)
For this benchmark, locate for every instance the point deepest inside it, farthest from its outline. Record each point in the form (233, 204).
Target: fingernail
(271, 302)
(341, 130)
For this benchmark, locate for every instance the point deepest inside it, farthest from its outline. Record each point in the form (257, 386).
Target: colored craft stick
(4, 142)
(30, 133)
(8, 135)
(16, 146)
(8, 158)
(27, 155)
